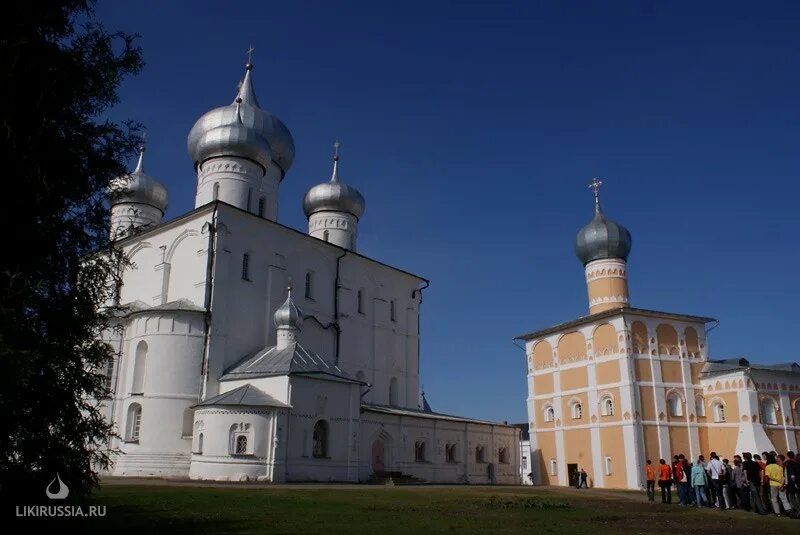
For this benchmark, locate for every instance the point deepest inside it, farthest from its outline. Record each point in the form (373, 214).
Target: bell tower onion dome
(137, 200)
(603, 247)
(334, 208)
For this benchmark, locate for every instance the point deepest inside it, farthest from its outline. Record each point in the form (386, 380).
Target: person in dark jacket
(754, 477)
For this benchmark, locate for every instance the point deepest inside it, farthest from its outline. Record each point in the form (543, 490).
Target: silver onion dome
(260, 123)
(288, 315)
(602, 238)
(139, 187)
(333, 196)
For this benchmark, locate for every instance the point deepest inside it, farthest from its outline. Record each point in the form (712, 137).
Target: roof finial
(250, 57)
(335, 175)
(140, 164)
(595, 187)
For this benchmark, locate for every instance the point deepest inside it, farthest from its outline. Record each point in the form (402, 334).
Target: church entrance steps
(392, 479)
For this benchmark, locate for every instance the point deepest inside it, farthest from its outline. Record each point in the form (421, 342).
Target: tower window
(216, 191)
(361, 301)
(309, 282)
(326, 236)
(261, 207)
(607, 407)
(392, 310)
(320, 437)
(249, 198)
(246, 266)
(134, 422)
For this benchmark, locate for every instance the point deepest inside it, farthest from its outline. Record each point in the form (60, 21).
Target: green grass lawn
(177, 509)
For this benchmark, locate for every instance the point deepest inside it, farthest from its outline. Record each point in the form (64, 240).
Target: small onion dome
(288, 315)
(333, 196)
(139, 187)
(206, 140)
(602, 238)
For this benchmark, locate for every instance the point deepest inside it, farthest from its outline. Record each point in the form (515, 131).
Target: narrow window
(139, 364)
(419, 451)
(309, 281)
(392, 311)
(326, 236)
(216, 191)
(361, 301)
(675, 407)
(241, 445)
(109, 374)
(261, 207)
(134, 422)
(246, 267)
(320, 438)
(549, 414)
(607, 407)
(700, 406)
(200, 444)
(553, 467)
(577, 411)
(450, 453)
(524, 463)
(719, 412)
(608, 466)
(502, 456)
(479, 454)
(249, 198)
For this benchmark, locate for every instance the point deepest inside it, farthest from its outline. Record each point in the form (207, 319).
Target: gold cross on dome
(250, 54)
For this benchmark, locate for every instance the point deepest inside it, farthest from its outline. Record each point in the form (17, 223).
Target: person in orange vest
(665, 481)
(650, 473)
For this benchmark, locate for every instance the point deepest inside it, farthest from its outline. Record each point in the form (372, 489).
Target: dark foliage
(60, 72)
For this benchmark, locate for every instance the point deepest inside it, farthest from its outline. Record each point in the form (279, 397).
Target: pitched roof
(245, 395)
(294, 359)
(736, 364)
(402, 411)
(610, 313)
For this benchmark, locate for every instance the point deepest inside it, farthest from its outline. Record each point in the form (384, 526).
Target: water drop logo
(61, 490)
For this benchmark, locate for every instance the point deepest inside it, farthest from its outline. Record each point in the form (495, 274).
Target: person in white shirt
(716, 470)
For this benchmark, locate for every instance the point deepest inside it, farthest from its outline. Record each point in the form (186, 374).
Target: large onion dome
(209, 136)
(288, 315)
(139, 187)
(602, 238)
(334, 196)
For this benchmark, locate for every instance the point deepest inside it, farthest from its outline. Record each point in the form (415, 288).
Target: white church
(223, 374)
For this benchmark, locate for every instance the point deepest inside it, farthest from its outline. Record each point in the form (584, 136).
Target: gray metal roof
(291, 360)
(713, 367)
(246, 395)
(611, 313)
(398, 411)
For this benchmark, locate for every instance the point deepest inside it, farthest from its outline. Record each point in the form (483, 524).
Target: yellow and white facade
(622, 385)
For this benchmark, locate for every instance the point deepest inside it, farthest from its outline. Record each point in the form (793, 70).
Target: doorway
(377, 457)
(572, 474)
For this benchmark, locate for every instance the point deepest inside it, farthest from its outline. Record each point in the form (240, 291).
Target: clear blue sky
(473, 129)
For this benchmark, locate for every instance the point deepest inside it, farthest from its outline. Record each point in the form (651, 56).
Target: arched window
(246, 266)
(502, 456)
(326, 236)
(361, 301)
(309, 281)
(419, 451)
(719, 411)
(241, 445)
(450, 453)
(188, 422)
(393, 392)
(134, 423)
(200, 444)
(549, 414)
(108, 375)
(479, 454)
(576, 410)
(700, 406)
(216, 191)
(769, 413)
(675, 404)
(607, 406)
(260, 207)
(139, 365)
(320, 439)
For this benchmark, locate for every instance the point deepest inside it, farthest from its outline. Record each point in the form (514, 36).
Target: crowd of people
(763, 484)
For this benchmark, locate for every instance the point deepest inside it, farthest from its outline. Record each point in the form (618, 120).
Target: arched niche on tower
(692, 342)
(639, 336)
(667, 338)
(542, 354)
(571, 347)
(604, 340)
